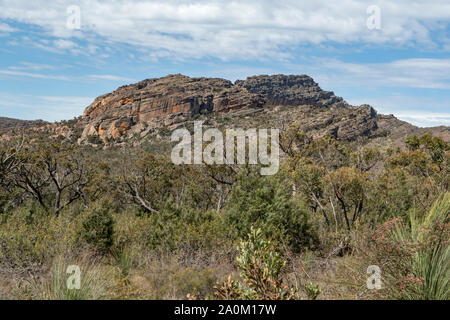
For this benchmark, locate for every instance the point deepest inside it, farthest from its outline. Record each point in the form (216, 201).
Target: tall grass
(430, 264)
(95, 282)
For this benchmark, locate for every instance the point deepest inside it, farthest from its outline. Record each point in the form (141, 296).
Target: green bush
(261, 271)
(98, 227)
(266, 203)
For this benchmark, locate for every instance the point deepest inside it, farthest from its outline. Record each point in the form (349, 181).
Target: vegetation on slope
(140, 227)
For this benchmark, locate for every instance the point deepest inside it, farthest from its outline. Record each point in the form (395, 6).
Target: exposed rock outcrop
(290, 90)
(153, 103)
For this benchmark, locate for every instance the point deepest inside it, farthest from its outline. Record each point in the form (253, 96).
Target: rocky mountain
(165, 102)
(145, 109)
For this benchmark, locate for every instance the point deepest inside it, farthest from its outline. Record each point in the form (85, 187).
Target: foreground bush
(266, 204)
(414, 255)
(98, 227)
(261, 272)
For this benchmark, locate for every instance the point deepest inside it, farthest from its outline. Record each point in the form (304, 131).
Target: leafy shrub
(261, 271)
(98, 227)
(30, 238)
(266, 204)
(312, 290)
(414, 255)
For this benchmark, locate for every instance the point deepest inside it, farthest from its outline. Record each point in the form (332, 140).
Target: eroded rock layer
(149, 104)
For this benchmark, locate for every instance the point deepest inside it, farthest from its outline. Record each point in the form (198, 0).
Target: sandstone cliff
(152, 106)
(154, 103)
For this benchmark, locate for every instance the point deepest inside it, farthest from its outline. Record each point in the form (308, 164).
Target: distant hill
(8, 124)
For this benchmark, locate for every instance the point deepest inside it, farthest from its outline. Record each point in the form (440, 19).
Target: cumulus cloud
(230, 29)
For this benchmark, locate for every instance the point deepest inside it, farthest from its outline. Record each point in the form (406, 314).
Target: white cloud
(24, 74)
(64, 44)
(230, 29)
(29, 70)
(408, 73)
(425, 119)
(6, 28)
(32, 66)
(109, 77)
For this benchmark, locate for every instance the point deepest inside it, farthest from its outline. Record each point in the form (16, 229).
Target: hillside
(351, 188)
(8, 124)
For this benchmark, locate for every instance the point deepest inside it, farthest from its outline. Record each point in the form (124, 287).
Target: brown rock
(153, 103)
(162, 102)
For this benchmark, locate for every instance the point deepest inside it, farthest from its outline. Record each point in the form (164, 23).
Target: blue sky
(50, 69)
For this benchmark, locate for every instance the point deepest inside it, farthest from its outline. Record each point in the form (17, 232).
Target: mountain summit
(152, 106)
(176, 98)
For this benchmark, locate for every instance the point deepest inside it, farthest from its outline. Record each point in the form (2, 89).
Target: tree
(347, 186)
(54, 173)
(265, 202)
(98, 226)
(9, 161)
(365, 158)
(149, 183)
(425, 165)
(293, 141)
(308, 179)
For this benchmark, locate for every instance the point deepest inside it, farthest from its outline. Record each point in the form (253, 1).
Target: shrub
(261, 271)
(97, 227)
(312, 290)
(266, 203)
(194, 281)
(414, 255)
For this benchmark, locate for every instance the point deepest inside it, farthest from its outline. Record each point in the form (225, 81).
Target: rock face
(359, 122)
(290, 90)
(153, 103)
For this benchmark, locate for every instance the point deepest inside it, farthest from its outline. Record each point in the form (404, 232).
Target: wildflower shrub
(260, 268)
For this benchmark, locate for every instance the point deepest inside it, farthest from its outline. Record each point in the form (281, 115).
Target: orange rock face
(176, 98)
